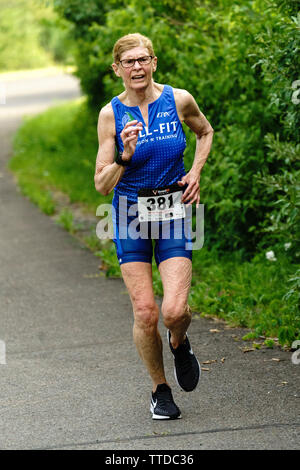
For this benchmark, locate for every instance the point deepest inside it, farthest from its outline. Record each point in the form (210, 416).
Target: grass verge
(56, 151)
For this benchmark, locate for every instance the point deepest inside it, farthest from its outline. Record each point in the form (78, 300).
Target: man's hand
(192, 192)
(129, 136)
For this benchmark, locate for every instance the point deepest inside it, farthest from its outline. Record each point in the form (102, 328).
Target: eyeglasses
(127, 63)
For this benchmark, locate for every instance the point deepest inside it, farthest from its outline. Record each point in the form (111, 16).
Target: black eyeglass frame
(138, 59)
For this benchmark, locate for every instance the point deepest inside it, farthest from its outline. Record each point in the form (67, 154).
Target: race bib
(160, 204)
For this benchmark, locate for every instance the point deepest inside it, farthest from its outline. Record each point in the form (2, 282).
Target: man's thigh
(138, 280)
(176, 275)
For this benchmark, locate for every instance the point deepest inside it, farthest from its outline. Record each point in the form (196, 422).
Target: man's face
(138, 76)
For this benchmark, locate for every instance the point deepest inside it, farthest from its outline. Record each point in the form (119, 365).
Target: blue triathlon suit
(156, 163)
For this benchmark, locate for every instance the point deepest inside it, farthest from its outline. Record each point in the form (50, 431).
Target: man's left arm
(190, 113)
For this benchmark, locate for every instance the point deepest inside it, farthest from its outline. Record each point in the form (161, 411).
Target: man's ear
(116, 69)
(154, 64)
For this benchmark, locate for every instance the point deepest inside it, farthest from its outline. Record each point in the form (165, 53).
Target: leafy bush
(283, 220)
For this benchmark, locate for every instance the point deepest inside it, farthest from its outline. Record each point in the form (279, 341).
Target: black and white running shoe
(162, 404)
(187, 369)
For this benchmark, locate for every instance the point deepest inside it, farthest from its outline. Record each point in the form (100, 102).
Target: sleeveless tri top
(158, 158)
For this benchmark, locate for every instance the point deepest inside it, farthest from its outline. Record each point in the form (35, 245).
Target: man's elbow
(208, 130)
(99, 187)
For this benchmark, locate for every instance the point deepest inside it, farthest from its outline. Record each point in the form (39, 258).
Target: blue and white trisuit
(157, 163)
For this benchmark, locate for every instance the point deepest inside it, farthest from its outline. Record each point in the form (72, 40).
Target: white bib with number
(160, 204)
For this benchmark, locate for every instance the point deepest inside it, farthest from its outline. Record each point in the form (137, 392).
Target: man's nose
(136, 65)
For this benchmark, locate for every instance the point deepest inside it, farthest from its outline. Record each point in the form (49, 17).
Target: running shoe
(162, 404)
(187, 369)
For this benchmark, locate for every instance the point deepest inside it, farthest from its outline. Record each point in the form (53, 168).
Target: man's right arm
(107, 172)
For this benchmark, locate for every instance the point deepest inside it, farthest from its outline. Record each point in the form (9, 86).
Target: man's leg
(176, 275)
(138, 279)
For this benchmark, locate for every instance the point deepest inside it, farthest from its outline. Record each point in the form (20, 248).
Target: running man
(145, 124)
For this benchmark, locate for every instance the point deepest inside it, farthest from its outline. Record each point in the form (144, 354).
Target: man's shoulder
(106, 119)
(181, 95)
(107, 111)
(183, 100)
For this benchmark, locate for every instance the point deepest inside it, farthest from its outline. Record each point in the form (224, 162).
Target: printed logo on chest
(163, 127)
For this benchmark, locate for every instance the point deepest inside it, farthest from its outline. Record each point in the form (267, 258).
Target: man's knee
(146, 315)
(175, 312)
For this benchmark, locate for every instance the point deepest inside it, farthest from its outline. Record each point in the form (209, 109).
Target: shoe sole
(175, 375)
(154, 416)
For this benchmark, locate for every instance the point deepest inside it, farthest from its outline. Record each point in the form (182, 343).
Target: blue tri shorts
(135, 240)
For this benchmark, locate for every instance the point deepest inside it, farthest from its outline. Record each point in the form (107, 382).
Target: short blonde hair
(130, 41)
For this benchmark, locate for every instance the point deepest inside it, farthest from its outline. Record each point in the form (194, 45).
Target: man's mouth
(138, 77)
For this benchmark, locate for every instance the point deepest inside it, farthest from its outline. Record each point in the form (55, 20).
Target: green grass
(56, 151)
(249, 294)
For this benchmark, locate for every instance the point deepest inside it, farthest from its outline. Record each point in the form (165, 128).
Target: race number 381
(160, 204)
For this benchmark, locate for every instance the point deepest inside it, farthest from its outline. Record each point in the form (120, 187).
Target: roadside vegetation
(32, 35)
(240, 59)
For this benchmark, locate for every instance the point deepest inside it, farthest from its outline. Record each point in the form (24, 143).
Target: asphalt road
(70, 377)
